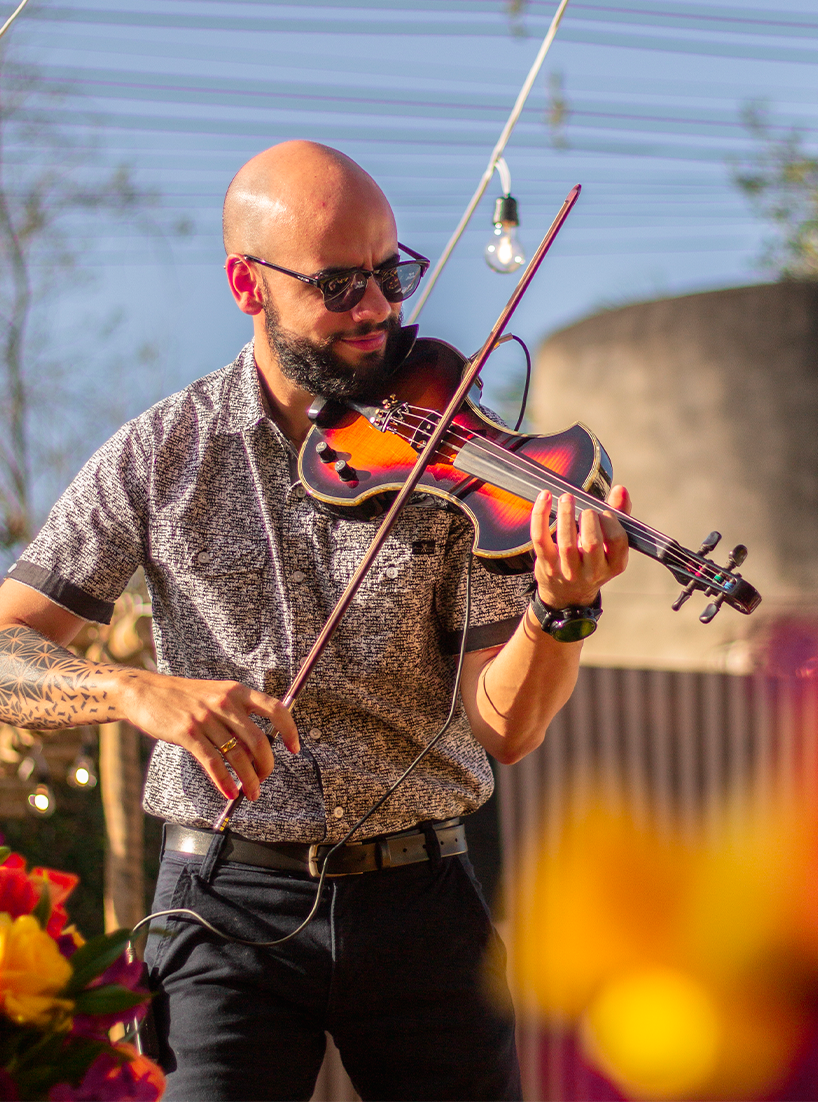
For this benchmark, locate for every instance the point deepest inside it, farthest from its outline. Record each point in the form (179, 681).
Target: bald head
(293, 192)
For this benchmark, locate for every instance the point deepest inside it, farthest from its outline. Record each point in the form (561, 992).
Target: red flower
(18, 895)
(119, 1075)
(20, 891)
(60, 885)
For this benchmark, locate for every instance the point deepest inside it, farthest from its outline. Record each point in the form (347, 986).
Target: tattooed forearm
(45, 686)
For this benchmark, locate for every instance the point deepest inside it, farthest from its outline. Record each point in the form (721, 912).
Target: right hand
(200, 716)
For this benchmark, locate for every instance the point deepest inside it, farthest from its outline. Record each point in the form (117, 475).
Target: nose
(373, 306)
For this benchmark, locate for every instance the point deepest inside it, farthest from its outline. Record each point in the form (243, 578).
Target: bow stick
(473, 369)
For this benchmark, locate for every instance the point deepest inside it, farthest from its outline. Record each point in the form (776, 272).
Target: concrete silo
(708, 407)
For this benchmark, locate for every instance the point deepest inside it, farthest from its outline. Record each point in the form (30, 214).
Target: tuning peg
(737, 556)
(683, 596)
(711, 609)
(707, 546)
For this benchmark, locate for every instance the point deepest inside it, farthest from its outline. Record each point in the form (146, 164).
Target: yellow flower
(32, 973)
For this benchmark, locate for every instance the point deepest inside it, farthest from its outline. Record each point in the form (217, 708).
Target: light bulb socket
(505, 211)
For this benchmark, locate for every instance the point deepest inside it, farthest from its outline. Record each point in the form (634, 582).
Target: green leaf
(68, 1063)
(110, 999)
(5, 851)
(94, 957)
(42, 912)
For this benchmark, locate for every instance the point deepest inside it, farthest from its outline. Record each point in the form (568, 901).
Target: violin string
(704, 570)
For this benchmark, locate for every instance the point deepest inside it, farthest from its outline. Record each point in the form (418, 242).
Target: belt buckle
(312, 862)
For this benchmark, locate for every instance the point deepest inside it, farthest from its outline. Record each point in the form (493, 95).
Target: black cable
(524, 400)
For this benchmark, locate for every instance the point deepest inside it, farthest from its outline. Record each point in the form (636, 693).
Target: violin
(357, 452)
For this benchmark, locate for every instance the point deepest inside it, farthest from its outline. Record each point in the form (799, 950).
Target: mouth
(366, 342)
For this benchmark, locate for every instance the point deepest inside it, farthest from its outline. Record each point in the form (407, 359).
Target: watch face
(570, 631)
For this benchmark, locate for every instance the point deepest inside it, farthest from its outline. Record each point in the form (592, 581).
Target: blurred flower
(123, 974)
(690, 968)
(656, 1030)
(59, 995)
(18, 896)
(33, 972)
(118, 1075)
(59, 885)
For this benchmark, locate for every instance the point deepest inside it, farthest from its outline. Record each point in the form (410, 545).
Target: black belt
(406, 847)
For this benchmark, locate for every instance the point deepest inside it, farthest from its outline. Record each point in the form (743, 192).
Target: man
(399, 962)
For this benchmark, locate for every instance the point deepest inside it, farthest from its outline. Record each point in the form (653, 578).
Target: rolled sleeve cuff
(486, 635)
(62, 592)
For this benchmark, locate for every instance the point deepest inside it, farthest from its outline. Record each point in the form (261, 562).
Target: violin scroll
(726, 584)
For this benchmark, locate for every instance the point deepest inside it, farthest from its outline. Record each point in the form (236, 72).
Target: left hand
(571, 568)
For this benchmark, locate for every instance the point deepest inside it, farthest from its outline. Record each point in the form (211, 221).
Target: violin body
(360, 452)
(378, 460)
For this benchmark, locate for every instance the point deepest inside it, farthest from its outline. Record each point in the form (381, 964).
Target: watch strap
(569, 624)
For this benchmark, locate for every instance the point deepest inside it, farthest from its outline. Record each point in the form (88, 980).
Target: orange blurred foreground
(689, 969)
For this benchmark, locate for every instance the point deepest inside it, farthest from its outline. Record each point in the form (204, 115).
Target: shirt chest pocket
(221, 583)
(400, 584)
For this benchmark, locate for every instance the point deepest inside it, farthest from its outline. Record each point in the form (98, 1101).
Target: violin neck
(523, 477)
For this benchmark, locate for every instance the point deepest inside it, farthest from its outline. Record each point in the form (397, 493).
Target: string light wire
(11, 18)
(496, 155)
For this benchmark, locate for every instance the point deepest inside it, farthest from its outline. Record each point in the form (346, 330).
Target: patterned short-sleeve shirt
(243, 570)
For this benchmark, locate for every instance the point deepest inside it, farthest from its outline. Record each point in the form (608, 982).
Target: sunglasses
(345, 289)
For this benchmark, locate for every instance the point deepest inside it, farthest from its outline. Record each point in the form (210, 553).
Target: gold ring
(231, 744)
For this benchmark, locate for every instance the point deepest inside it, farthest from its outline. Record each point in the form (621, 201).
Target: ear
(245, 284)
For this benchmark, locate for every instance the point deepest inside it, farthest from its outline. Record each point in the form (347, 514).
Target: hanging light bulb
(41, 801)
(82, 773)
(504, 253)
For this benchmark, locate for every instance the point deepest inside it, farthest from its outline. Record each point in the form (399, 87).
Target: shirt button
(338, 813)
(391, 572)
(315, 733)
(204, 556)
(300, 492)
(297, 576)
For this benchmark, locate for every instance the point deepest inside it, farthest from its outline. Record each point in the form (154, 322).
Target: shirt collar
(241, 402)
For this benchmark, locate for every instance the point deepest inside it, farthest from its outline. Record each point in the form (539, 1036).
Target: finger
(616, 543)
(241, 758)
(544, 546)
(245, 769)
(213, 764)
(230, 718)
(591, 542)
(281, 717)
(567, 541)
(620, 499)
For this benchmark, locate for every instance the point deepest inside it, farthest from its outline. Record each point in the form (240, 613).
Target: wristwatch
(569, 624)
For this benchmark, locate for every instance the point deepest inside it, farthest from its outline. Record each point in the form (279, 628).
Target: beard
(318, 369)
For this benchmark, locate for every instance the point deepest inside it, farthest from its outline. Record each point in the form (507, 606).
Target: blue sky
(184, 91)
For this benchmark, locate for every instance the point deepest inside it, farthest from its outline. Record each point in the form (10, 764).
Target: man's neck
(287, 403)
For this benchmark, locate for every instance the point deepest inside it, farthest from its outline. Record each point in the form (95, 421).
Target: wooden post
(121, 781)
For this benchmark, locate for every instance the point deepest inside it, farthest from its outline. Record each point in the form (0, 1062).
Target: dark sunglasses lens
(344, 291)
(400, 282)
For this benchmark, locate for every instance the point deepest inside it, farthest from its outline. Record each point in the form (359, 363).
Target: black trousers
(402, 967)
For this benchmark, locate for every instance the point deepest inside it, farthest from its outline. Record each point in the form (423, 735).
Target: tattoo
(46, 687)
